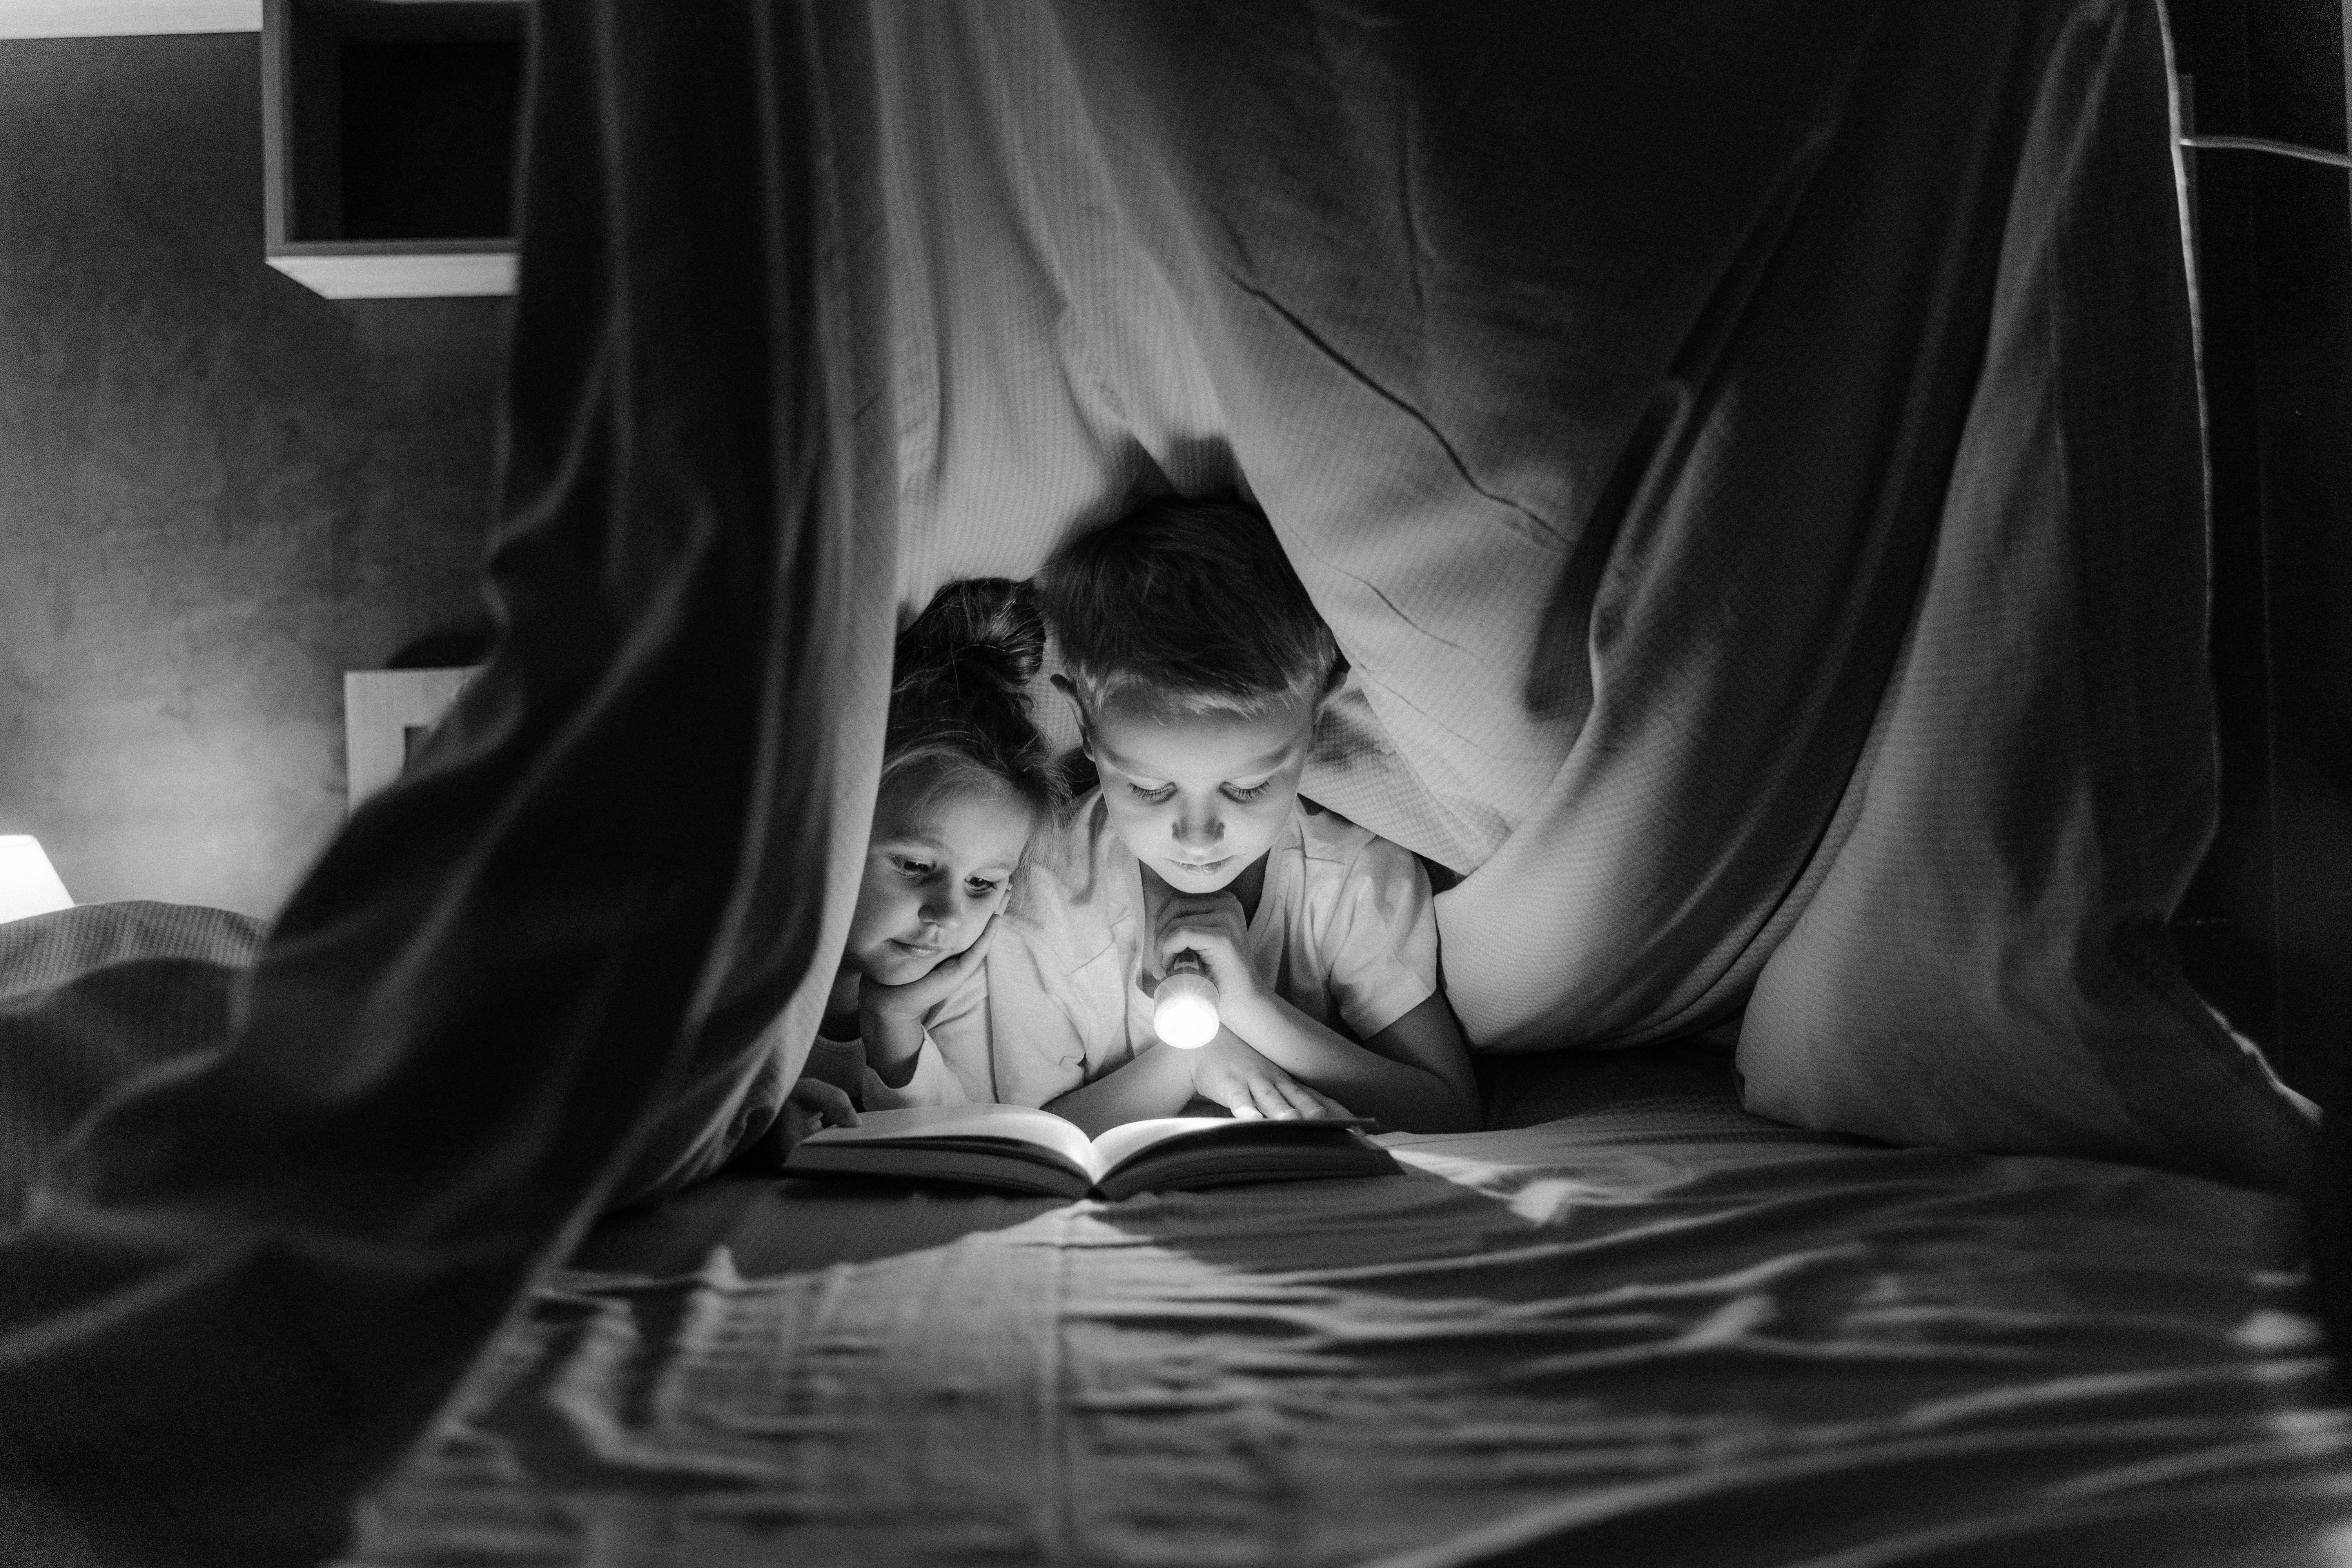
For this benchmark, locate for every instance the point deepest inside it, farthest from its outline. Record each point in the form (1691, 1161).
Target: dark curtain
(249, 1285)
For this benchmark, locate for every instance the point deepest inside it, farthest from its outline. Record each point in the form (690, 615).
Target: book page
(1127, 1140)
(1132, 1138)
(1016, 1122)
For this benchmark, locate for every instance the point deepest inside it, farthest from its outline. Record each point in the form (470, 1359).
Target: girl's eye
(910, 868)
(1235, 792)
(979, 887)
(1152, 797)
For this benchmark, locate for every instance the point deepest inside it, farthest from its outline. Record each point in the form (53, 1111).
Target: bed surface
(1650, 1329)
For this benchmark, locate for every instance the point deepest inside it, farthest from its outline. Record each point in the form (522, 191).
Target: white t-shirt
(1344, 932)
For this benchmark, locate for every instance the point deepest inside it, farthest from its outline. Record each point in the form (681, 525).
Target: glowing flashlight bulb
(1184, 1013)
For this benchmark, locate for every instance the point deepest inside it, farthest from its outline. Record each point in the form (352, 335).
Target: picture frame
(387, 713)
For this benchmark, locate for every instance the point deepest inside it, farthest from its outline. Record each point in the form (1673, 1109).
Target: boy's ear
(1086, 732)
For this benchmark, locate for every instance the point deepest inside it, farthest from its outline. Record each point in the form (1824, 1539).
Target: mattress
(1647, 1327)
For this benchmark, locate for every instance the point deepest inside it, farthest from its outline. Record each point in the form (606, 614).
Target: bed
(1630, 1323)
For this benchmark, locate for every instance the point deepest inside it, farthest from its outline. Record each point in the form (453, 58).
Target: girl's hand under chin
(890, 1017)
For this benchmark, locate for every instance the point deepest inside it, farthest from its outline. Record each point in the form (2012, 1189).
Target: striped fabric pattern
(89, 998)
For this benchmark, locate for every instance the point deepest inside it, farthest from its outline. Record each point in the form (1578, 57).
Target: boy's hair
(960, 700)
(1191, 605)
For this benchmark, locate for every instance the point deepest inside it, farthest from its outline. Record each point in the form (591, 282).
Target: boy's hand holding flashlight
(1205, 975)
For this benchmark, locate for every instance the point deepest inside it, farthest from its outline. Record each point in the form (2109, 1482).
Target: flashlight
(1184, 1013)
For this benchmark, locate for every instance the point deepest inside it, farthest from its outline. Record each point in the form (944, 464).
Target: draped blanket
(1749, 456)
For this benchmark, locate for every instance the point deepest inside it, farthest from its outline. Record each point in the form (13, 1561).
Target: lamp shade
(28, 883)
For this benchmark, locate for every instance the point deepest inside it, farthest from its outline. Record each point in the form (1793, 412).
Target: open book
(1038, 1151)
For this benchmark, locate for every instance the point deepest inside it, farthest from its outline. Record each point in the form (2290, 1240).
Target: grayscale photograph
(1175, 784)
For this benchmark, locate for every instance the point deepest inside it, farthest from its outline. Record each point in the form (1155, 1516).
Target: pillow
(90, 997)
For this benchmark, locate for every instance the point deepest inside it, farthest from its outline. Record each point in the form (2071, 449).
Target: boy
(1197, 664)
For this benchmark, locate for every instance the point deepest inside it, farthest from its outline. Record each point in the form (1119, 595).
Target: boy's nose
(1200, 828)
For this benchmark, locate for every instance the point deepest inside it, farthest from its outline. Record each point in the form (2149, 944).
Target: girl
(966, 782)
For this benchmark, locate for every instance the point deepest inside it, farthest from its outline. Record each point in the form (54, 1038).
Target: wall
(218, 490)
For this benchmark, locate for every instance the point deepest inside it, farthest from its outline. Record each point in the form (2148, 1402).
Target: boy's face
(934, 874)
(1198, 796)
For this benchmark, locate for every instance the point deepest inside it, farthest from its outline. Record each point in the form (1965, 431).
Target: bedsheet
(1657, 1330)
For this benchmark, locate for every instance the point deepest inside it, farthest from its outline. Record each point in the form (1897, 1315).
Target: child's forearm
(1403, 1097)
(891, 1048)
(1157, 1083)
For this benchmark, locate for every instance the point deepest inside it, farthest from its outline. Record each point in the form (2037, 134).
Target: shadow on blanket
(779, 1225)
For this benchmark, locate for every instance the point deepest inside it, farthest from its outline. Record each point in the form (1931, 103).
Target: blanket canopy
(1749, 456)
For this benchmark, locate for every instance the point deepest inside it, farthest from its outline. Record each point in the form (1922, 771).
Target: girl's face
(935, 872)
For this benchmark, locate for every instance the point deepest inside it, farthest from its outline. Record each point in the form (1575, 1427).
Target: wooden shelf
(388, 138)
(118, 19)
(392, 269)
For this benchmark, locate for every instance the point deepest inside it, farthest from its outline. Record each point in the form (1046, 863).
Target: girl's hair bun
(959, 696)
(981, 629)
